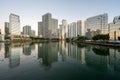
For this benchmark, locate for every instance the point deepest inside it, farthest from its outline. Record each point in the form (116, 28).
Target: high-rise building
(97, 23)
(32, 32)
(48, 27)
(46, 19)
(114, 29)
(27, 30)
(0, 31)
(74, 26)
(72, 30)
(6, 28)
(14, 24)
(54, 28)
(40, 29)
(80, 28)
(64, 29)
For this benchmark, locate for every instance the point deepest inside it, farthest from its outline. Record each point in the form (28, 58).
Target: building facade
(14, 24)
(6, 28)
(46, 19)
(48, 27)
(80, 28)
(27, 30)
(114, 29)
(54, 33)
(97, 23)
(40, 29)
(64, 30)
(33, 33)
(72, 30)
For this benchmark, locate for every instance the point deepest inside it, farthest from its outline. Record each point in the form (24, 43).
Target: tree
(81, 38)
(101, 37)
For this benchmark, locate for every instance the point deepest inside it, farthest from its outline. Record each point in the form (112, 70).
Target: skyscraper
(54, 28)
(97, 23)
(6, 28)
(14, 24)
(0, 31)
(46, 19)
(27, 30)
(40, 29)
(64, 29)
(33, 33)
(80, 28)
(72, 30)
(114, 29)
(48, 27)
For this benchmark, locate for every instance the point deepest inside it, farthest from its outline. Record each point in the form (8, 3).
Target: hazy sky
(31, 11)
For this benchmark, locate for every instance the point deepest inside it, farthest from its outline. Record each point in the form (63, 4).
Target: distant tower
(14, 24)
(64, 29)
(6, 28)
(48, 27)
(27, 30)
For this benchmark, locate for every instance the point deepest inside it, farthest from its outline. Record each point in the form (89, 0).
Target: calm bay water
(58, 61)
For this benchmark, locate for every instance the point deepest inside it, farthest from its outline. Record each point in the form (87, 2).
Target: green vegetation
(101, 37)
(81, 38)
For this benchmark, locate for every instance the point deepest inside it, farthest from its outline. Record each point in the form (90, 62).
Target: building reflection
(47, 54)
(7, 50)
(78, 53)
(94, 60)
(32, 46)
(2, 52)
(14, 55)
(63, 51)
(99, 58)
(114, 59)
(27, 50)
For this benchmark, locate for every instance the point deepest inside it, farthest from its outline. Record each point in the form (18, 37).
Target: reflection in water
(27, 50)
(54, 55)
(14, 59)
(6, 51)
(14, 55)
(101, 51)
(47, 54)
(114, 59)
(98, 62)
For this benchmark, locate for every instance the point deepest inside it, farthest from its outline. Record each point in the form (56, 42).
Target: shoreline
(102, 44)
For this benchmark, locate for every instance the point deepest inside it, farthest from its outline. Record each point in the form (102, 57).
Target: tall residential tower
(97, 25)
(14, 24)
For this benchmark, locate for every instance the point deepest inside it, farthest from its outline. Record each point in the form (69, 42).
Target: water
(58, 61)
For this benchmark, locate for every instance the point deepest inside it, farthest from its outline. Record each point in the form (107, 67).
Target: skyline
(31, 11)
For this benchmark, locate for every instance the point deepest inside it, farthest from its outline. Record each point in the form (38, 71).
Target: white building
(80, 28)
(114, 29)
(46, 20)
(14, 24)
(97, 23)
(72, 30)
(27, 30)
(6, 27)
(40, 29)
(33, 33)
(64, 29)
(48, 27)
(54, 32)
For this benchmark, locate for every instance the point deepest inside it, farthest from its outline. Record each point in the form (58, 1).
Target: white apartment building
(97, 23)
(114, 29)
(27, 30)
(80, 28)
(48, 27)
(14, 24)
(64, 29)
